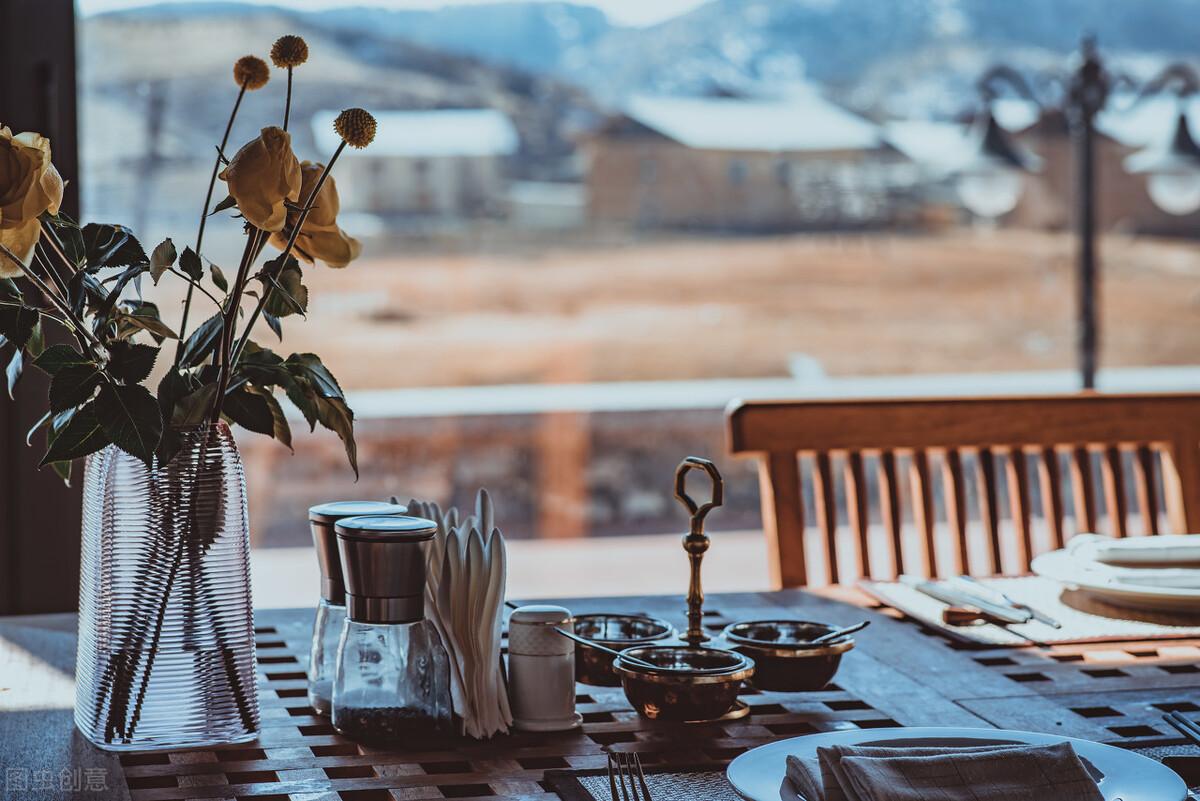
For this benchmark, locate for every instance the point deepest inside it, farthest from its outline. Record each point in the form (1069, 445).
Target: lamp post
(989, 184)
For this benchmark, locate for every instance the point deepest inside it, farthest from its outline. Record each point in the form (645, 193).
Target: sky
(624, 12)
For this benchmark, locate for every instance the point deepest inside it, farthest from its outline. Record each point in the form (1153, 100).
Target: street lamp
(1172, 168)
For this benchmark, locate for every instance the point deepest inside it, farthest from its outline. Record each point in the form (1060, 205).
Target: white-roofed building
(447, 162)
(795, 162)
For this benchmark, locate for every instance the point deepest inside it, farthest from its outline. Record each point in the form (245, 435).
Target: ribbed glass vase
(166, 630)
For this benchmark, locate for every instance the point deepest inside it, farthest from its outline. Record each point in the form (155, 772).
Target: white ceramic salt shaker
(541, 669)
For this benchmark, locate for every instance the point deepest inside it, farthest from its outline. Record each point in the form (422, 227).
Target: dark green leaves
(111, 246)
(284, 288)
(189, 262)
(131, 362)
(334, 414)
(74, 434)
(73, 384)
(316, 393)
(202, 341)
(249, 410)
(56, 357)
(193, 409)
(13, 372)
(144, 316)
(16, 322)
(162, 258)
(227, 203)
(129, 416)
(218, 278)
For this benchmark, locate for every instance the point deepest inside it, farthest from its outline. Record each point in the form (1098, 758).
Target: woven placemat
(1084, 617)
(665, 784)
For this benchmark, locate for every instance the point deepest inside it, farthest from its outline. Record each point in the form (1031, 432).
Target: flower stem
(287, 105)
(86, 340)
(212, 182)
(287, 250)
(224, 346)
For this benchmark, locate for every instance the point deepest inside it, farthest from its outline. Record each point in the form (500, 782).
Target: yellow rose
(29, 185)
(263, 175)
(320, 238)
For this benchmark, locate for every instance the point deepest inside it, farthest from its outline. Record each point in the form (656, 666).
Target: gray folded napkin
(983, 773)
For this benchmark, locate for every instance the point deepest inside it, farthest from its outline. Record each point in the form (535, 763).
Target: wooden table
(898, 675)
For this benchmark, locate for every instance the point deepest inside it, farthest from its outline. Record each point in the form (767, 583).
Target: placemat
(1084, 617)
(665, 784)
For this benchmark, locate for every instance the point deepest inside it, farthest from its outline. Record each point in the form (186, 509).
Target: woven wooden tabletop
(899, 674)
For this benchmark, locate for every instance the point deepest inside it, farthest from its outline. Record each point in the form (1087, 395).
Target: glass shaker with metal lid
(331, 609)
(393, 673)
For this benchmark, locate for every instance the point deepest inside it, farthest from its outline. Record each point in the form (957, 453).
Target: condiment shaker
(393, 673)
(331, 609)
(541, 669)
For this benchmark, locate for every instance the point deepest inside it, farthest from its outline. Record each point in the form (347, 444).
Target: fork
(625, 771)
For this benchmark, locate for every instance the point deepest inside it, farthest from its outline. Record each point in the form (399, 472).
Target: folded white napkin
(983, 773)
(1105, 557)
(1163, 549)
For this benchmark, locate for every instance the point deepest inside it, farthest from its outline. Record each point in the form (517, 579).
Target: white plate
(1071, 569)
(758, 774)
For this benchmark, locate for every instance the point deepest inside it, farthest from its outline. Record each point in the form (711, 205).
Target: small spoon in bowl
(837, 634)
(592, 644)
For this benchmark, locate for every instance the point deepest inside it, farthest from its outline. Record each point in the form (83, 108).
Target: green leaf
(144, 316)
(78, 434)
(110, 300)
(84, 291)
(304, 398)
(13, 372)
(250, 411)
(162, 258)
(290, 296)
(334, 414)
(273, 324)
(309, 366)
(131, 362)
(111, 246)
(42, 421)
(189, 262)
(227, 203)
(70, 236)
(130, 418)
(63, 469)
(56, 357)
(262, 366)
(36, 345)
(202, 341)
(73, 384)
(193, 409)
(218, 278)
(17, 324)
(280, 429)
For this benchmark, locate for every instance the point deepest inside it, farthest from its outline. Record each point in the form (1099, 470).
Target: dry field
(707, 308)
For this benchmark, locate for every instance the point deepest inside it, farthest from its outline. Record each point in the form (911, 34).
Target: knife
(954, 597)
(986, 591)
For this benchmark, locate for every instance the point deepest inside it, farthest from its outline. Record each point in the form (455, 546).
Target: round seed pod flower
(289, 51)
(356, 126)
(251, 72)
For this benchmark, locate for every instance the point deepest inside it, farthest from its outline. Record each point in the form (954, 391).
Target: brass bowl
(593, 666)
(688, 683)
(785, 657)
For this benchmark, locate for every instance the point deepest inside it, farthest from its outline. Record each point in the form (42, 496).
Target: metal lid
(383, 563)
(540, 614)
(337, 510)
(385, 528)
(321, 517)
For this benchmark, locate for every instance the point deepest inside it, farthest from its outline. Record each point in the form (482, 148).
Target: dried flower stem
(86, 339)
(269, 290)
(224, 346)
(212, 182)
(287, 104)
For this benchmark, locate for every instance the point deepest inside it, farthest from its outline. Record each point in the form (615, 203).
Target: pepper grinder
(541, 669)
(331, 609)
(393, 673)
(696, 542)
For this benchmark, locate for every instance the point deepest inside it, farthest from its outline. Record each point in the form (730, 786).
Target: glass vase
(166, 632)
